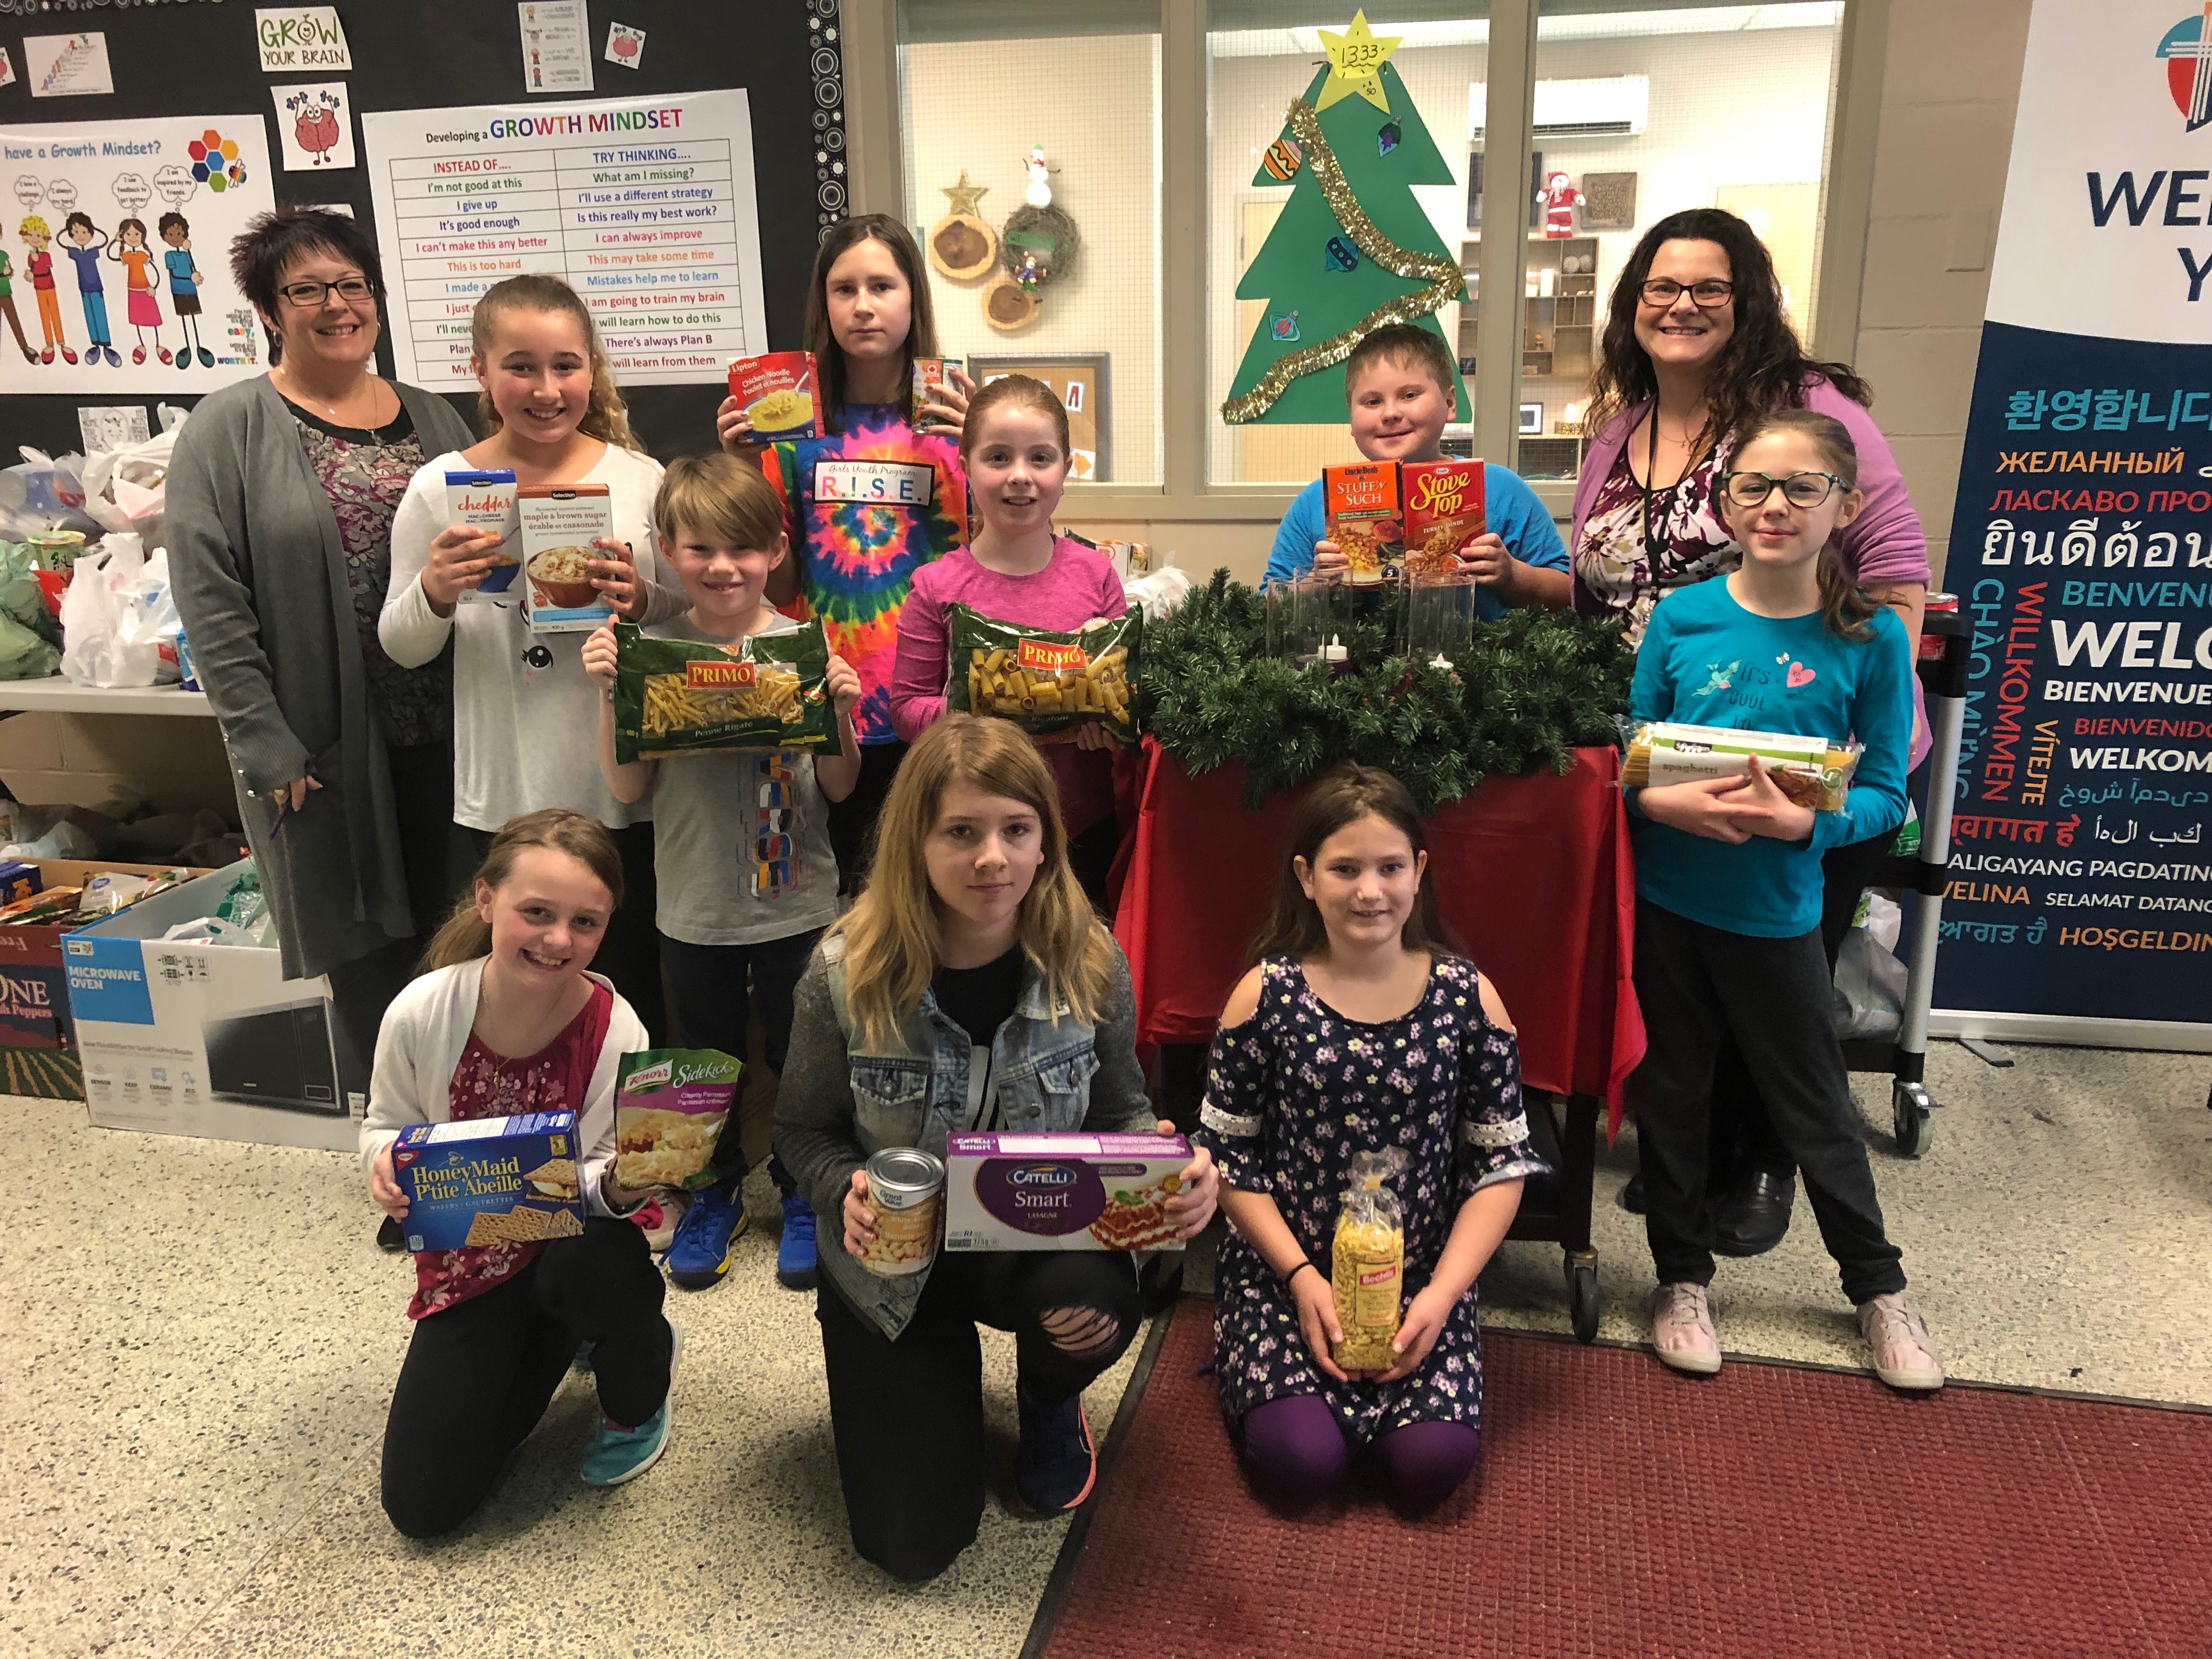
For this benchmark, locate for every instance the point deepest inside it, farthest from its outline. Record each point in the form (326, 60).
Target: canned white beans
(906, 1194)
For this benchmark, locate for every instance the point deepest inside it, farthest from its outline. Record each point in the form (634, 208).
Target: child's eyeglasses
(1799, 488)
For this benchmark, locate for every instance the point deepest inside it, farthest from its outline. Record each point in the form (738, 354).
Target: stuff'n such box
(776, 393)
(208, 1040)
(1444, 513)
(490, 1180)
(485, 501)
(558, 527)
(1052, 1191)
(1363, 506)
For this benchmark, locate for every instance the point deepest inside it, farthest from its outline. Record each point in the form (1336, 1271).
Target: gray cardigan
(259, 575)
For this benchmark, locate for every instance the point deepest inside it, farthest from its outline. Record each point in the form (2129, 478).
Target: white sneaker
(1903, 1358)
(1682, 1333)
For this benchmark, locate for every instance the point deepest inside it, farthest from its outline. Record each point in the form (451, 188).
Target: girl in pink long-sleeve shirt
(1014, 448)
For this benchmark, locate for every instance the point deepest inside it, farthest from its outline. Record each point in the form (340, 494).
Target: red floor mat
(1620, 1510)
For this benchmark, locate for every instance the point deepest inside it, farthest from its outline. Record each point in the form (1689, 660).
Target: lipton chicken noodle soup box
(776, 393)
(1061, 1191)
(490, 1180)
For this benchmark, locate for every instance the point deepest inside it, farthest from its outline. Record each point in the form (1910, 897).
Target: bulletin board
(182, 60)
(1079, 383)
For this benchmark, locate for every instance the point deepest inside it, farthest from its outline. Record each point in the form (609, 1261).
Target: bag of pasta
(1368, 1264)
(683, 698)
(1045, 682)
(1811, 771)
(670, 1107)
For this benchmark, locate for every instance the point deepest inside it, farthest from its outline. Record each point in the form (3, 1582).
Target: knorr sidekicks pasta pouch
(670, 1107)
(682, 696)
(1042, 681)
(1368, 1264)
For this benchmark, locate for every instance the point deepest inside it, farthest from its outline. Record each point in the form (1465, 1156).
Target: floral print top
(1290, 1095)
(1616, 572)
(364, 474)
(556, 1079)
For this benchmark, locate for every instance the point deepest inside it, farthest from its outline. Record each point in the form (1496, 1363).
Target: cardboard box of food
(1444, 512)
(485, 501)
(557, 528)
(490, 1180)
(1363, 506)
(1061, 1191)
(776, 393)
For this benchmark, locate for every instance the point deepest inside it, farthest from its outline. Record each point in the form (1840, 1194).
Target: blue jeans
(95, 318)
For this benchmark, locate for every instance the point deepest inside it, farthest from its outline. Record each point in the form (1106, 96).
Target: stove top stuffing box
(202, 1039)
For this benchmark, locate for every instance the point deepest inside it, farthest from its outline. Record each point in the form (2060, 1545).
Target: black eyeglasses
(306, 294)
(1799, 488)
(1663, 291)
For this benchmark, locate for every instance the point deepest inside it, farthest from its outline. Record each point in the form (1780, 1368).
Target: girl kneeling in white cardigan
(505, 1019)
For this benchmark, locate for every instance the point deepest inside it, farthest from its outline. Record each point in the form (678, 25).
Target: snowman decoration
(1039, 194)
(1559, 198)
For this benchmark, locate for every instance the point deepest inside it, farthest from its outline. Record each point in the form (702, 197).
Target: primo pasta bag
(1042, 681)
(681, 697)
(1368, 1264)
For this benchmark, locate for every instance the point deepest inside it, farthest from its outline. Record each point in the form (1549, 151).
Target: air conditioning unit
(1608, 107)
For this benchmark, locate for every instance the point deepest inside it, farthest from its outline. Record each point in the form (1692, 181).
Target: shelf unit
(1559, 327)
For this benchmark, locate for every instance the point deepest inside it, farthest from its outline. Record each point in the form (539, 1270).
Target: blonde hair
(466, 934)
(605, 417)
(720, 496)
(35, 225)
(891, 934)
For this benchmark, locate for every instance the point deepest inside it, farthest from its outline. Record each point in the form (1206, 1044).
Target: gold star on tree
(965, 195)
(1353, 58)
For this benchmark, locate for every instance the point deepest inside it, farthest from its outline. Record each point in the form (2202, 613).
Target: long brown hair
(1845, 607)
(891, 932)
(466, 934)
(605, 417)
(1343, 795)
(1764, 364)
(922, 317)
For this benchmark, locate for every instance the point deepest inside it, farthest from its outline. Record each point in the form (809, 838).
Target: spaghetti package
(1042, 681)
(683, 696)
(1811, 771)
(1363, 506)
(670, 1107)
(1443, 513)
(1368, 1263)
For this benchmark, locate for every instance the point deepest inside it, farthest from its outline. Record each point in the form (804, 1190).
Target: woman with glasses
(1697, 346)
(281, 495)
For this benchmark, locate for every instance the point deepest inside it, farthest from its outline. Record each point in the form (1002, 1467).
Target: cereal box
(490, 1180)
(1364, 518)
(558, 527)
(485, 501)
(1444, 513)
(1054, 1191)
(670, 1107)
(932, 375)
(776, 393)
(19, 880)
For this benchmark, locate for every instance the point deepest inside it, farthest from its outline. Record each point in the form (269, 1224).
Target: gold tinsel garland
(1446, 281)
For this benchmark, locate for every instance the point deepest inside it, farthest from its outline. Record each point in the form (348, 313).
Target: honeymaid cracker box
(1061, 1191)
(490, 1180)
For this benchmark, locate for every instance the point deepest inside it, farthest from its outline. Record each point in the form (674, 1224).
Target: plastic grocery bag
(150, 616)
(1869, 994)
(94, 651)
(123, 488)
(44, 493)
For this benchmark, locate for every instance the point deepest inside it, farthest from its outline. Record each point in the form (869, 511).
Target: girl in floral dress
(1360, 1030)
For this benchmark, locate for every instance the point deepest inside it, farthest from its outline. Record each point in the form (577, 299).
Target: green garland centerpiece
(1536, 686)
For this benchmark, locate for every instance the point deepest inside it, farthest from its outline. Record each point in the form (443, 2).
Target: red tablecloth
(1533, 874)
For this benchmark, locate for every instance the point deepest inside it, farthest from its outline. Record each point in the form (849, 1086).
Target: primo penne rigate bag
(1045, 682)
(683, 696)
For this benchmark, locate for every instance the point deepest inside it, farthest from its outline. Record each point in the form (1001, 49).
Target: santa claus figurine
(1559, 199)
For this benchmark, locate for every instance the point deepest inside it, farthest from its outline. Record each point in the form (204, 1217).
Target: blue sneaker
(699, 1255)
(1055, 1465)
(615, 1454)
(794, 1257)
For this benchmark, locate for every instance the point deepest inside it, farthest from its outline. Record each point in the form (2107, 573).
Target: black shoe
(1756, 1214)
(1632, 1195)
(389, 1237)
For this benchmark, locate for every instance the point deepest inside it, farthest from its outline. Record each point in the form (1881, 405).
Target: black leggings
(479, 1375)
(908, 1415)
(852, 820)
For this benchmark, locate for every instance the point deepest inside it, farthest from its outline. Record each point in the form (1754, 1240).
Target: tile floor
(197, 1340)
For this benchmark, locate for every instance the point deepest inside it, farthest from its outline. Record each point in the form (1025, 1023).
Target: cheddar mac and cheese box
(1364, 520)
(485, 501)
(1444, 513)
(490, 1180)
(558, 527)
(1061, 1191)
(776, 393)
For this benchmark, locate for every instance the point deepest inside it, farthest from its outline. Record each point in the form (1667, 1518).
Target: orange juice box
(1444, 513)
(776, 393)
(1362, 502)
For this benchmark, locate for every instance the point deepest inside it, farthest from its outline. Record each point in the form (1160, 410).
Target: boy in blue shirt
(1398, 382)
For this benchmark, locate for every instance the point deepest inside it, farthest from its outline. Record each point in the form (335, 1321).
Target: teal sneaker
(615, 1454)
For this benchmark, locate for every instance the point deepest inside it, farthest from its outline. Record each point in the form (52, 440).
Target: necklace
(330, 408)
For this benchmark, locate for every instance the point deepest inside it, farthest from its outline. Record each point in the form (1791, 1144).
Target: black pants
(1700, 986)
(479, 1375)
(1091, 855)
(629, 955)
(908, 1415)
(852, 820)
(710, 1006)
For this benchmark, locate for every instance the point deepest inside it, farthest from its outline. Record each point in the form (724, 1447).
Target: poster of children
(114, 253)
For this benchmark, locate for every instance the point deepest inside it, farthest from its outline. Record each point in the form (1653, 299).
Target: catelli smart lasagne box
(1061, 1191)
(490, 1180)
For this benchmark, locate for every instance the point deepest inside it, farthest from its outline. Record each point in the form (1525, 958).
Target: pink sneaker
(1903, 1358)
(658, 1217)
(1682, 1329)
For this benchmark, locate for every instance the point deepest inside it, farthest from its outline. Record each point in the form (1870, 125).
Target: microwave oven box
(204, 1039)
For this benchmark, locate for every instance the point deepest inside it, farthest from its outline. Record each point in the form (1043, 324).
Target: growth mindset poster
(2081, 883)
(114, 254)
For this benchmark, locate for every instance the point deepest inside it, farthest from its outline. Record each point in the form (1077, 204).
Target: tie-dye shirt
(866, 507)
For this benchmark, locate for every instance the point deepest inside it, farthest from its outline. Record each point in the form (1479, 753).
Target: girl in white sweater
(505, 1019)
